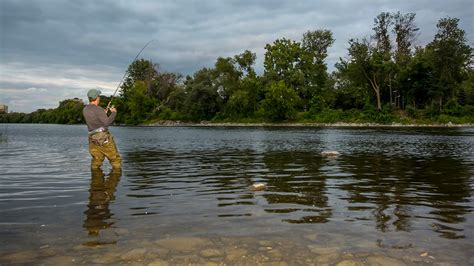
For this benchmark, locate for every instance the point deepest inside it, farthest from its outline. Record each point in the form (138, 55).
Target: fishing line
(125, 74)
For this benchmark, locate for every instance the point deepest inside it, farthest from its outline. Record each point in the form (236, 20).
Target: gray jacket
(96, 117)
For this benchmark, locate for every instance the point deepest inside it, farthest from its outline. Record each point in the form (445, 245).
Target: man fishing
(101, 142)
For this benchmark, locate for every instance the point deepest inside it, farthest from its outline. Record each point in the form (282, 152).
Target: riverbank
(168, 123)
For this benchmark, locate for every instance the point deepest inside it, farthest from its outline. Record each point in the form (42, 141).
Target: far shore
(285, 124)
(289, 124)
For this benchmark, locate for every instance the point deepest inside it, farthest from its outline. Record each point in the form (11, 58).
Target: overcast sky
(52, 50)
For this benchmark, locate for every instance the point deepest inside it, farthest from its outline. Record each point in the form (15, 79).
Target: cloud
(27, 88)
(69, 46)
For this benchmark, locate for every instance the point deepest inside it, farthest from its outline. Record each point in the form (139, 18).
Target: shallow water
(183, 196)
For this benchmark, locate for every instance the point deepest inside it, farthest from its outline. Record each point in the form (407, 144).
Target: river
(393, 195)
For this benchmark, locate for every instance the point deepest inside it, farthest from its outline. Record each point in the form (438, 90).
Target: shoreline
(289, 125)
(324, 125)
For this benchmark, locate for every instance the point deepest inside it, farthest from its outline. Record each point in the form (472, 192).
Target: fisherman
(101, 142)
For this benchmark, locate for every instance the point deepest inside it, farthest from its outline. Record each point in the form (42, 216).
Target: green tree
(176, 100)
(375, 64)
(145, 72)
(280, 102)
(202, 101)
(349, 93)
(246, 62)
(382, 56)
(239, 104)
(417, 79)
(312, 63)
(451, 58)
(365, 65)
(226, 77)
(140, 105)
(164, 84)
(382, 24)
(468, 86)
(282, 63)
(462, 97)
(405, 31)
(243, 102)
(140, 70)
(69, 112)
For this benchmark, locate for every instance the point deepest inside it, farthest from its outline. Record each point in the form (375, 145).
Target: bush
(384, 118)
(317, 104)
(328, 116)
(280, 102)
(168, 114)
(411, 111)
(381, 117)
(453, 108)
(239, 105)
(444, 119)
(468, 110)
(432, 110)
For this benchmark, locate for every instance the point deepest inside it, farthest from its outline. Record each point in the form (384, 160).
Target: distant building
(3, 109)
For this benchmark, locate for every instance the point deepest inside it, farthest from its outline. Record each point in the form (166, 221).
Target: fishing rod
(125, 74)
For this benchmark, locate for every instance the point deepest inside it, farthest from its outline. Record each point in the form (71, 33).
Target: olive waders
(101, 145)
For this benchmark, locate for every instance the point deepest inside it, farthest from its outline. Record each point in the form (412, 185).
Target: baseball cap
(93, 93)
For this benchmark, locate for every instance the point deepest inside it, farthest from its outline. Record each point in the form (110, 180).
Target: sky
(51, 50)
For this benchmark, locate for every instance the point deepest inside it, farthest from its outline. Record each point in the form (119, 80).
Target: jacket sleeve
(104, 119)
(111, 118)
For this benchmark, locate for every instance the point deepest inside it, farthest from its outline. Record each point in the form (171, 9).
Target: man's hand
(112, 109)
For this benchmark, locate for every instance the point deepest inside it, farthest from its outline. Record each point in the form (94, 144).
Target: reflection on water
(401, 191)
(102, 193)
(393, 192)
(390, 189)
(3, 137)
(297, 186)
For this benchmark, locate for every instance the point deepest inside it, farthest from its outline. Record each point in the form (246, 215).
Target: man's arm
(112, 115)
(105, 120)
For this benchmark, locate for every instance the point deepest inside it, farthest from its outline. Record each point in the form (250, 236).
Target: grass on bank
(409, 116)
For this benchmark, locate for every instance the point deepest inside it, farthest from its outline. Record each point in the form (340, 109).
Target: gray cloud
(53, 49)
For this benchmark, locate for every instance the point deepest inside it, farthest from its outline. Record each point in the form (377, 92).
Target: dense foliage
(384, 78)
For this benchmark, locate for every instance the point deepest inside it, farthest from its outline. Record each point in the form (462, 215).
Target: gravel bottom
(229, 251)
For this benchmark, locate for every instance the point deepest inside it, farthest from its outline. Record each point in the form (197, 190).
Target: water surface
(404, 193)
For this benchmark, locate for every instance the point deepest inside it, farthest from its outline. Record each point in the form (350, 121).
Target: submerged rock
(20, 257)
(184, 243)
(257, 187)
(384, 261)
(235, 254)
(265, 243)
(159, 262)
(61, 260)
(311, 237)
(330, 153)
(134, 254)
(210, 252)
(108, 258)
(349, 263)
(327, 258)
(211, 263)
(322, 249)
(275, 253)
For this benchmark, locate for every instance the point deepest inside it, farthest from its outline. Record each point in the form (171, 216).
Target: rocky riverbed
(231, 251)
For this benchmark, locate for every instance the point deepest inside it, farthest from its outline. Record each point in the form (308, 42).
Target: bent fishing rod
(125, 74)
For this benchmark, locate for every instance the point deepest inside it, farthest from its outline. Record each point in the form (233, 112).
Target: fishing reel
(109, 108)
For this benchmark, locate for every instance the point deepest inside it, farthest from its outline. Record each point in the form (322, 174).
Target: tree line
(384, 78)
